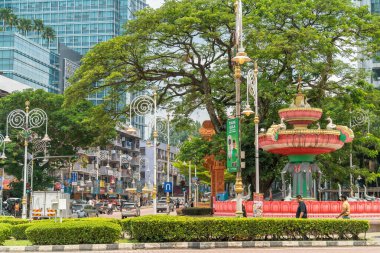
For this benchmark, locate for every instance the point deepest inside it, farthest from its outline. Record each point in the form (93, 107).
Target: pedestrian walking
(17, 209)
(301, 210)
(345, 214)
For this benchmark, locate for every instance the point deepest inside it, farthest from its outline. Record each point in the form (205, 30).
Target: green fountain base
(301, 158)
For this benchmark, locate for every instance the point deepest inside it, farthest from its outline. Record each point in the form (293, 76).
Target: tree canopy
(68, 128)
(185, 48)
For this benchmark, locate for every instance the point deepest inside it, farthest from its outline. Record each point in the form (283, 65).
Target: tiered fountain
(299, 137)
(301, 144)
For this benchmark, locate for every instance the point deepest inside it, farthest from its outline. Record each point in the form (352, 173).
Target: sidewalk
(373, 239)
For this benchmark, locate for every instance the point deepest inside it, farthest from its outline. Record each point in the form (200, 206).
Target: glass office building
(28, 62)
(79, 24)
(372, 65)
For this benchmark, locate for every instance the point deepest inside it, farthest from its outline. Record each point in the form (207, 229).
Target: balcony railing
(90, 168)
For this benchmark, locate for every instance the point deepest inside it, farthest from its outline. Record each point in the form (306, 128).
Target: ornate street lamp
(163, 127)
(143, 105)
(26, 121)
(252, 89)
(240, 58)
(38, 146)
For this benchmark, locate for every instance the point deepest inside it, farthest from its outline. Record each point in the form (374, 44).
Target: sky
(155, 3)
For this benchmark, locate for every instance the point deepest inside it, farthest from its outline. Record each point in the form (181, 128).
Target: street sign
(168, 187)
(233, 145)
(74, 176)
(119, 187)
(96, 187)
(139, 186)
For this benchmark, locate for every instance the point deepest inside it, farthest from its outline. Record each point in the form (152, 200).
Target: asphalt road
(143, 211)
(276, 250)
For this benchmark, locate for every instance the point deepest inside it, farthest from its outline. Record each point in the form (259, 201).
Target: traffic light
(28, 189)
(183, 185)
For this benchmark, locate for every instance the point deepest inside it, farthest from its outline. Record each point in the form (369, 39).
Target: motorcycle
(110, 211)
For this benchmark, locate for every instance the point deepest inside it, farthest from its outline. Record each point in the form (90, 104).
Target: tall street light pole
(164, 126)
(2, 157)
(143, 105)
(240, 58)
(359, 118)
(252, 89)
(26, 121)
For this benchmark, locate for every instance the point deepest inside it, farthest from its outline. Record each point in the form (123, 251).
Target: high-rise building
(28, 62)
(372, 65)
(79, 24)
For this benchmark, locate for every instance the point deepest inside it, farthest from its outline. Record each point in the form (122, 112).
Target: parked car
(129, 210)
(162, 206)
(84, 210)
(102, 207)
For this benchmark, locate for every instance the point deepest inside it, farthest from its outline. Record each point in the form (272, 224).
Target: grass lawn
(125, 240)
(17, 243)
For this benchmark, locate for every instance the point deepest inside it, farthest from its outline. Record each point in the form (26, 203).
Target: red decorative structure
(215, 167)
(321, 209)
(302, 144)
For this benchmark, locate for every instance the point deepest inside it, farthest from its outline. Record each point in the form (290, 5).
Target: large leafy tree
(185, 47)
(68, 128)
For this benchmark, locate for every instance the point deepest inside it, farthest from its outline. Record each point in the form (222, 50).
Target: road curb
(188, 245)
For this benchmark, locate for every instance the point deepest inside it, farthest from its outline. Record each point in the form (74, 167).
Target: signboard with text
(258, 202)
(233, 145)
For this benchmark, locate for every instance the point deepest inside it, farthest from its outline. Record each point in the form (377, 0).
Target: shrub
(11, 220)
(5, 232)
(197, 211)
(73, 233)
(174, 229)
(18, 231)
(95, 219)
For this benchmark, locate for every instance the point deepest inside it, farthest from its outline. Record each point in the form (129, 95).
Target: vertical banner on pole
(119, 187)
(96, 187)
(233, 162)
(1, 179)
(258, 202)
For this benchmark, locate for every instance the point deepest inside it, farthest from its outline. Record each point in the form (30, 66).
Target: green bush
(11, 220)
(197, 211)
(95, 219)
(18, 231)
(175, 229)
(5, 232)
(90, 232)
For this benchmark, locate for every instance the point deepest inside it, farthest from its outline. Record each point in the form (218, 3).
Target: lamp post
(26, 121)
(143, 105)
(39, 146)
(164, 129)
(2, 157)
(252, 89)
(360, 118)
(240, 58)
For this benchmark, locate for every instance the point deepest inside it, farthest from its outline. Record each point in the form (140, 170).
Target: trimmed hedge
(45, 233)
(11, 220)
(177, 229)
(5, 232)
(95, 219)
(18, 231)
(197, 211)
